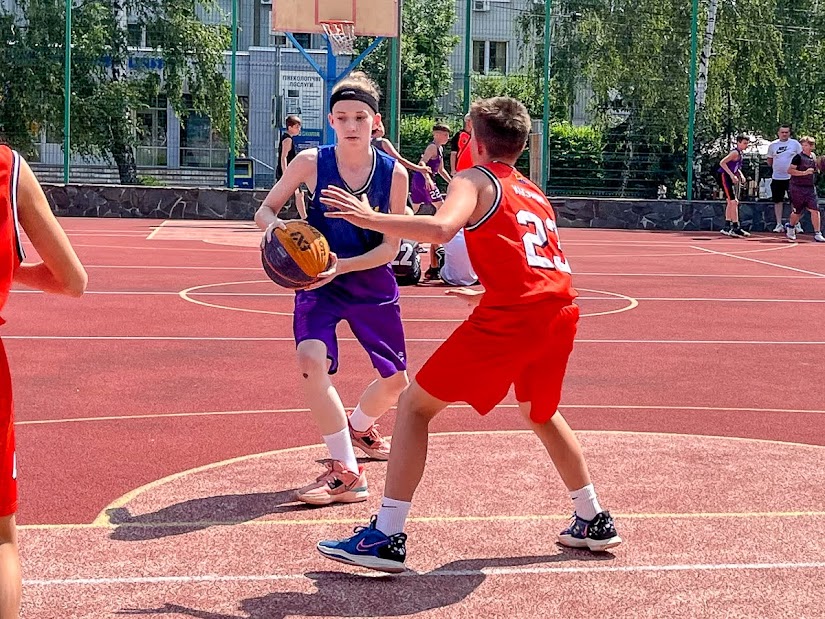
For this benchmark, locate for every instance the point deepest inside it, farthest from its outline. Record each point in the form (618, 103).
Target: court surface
(161, 434)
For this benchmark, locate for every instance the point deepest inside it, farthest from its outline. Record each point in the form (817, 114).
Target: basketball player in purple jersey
(730, 177)
(422, 191)
(359, 287)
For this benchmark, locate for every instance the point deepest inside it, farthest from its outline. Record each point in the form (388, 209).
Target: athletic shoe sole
(594, 545)
(370, 453)
(351, 496)
(371, 563)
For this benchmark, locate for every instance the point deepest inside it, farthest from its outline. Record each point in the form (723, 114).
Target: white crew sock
(392, 516)
(585, 502)
(340, 448)
(360, 421)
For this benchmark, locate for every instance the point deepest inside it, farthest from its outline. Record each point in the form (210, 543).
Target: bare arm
(794, 171)
(732, 156)
(285, 148)
(443, 172)
(301, 170)
(453, 161)
(60, 271)
(390, 150)
(462, 202)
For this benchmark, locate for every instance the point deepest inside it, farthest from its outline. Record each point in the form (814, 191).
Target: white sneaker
(790, 232)
(819, 238)
(779, 228)
(798, 227)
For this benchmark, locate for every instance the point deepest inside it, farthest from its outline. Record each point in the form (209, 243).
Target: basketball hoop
(341, 36)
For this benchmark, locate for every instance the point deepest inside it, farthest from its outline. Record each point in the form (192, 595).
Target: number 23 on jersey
(541, 242)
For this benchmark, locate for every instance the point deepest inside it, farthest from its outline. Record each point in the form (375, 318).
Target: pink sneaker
(336, 485)
(370, 442)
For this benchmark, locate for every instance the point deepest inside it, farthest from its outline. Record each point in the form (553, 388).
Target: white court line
(282, 411)
(156, 230)
(422, 296)
(172, 338)
(770, 264)
(669, 275)
(487, 571)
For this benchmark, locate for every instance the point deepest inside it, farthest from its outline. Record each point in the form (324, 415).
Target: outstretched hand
(344, 205)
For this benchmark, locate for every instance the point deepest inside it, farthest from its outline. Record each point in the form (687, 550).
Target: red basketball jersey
(464, 160)
(514, 247)
(11, 248)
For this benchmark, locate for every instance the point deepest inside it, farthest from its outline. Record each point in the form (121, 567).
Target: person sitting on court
(451, 262)
(407, 264)
(730, 178)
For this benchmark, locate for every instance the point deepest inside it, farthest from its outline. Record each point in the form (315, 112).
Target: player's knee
(8, 530)
(396, 383)
(312, 359)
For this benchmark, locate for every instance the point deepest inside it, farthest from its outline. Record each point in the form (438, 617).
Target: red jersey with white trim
(11, 248)
(514, 248)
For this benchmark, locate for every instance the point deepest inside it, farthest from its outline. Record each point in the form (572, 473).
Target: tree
(426, 45)
(109, 80)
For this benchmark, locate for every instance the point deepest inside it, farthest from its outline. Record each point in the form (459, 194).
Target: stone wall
(240, 204)
(662, 214)
(155, 202)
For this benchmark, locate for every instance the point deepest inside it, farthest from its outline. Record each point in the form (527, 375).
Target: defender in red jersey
(22, 202)
(521, 332)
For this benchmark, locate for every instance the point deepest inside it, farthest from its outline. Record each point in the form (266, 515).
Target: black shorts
(802, 199)
(778, 189)
(727, 185)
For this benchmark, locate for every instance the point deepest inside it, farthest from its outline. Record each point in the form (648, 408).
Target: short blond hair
(361, 81)
(501, 125)
(807, 139)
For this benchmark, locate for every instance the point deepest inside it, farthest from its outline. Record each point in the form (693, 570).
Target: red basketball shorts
(526, 346)
(8, 461)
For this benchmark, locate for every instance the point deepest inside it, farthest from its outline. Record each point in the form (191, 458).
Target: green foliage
(576, 156)
(416, 132)
(109, 82)
(525, 88)
(425, 50)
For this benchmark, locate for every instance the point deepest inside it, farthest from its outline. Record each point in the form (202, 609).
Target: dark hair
(502, 125)
(742, 138)
(788, 127)
(441, 127)
(292, 120)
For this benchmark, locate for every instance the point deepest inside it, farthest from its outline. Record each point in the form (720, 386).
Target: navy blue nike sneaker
(368, 548)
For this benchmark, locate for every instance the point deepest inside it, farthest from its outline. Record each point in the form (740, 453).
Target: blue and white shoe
(368, 548)
(598, 534)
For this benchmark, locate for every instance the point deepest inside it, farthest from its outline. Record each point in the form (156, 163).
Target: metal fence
(635, 97)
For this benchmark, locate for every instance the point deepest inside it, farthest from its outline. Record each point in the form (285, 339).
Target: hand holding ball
(295, 255)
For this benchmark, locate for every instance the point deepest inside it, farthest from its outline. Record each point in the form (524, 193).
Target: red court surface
(162, 432)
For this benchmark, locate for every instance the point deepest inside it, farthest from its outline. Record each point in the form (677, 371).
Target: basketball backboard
(376, 18)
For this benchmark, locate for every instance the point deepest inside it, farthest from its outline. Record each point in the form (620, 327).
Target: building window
(304, 39)
(201, 147)
(490, 57)
(151, 133)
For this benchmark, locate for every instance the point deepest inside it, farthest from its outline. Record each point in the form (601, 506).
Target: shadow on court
(349, 595)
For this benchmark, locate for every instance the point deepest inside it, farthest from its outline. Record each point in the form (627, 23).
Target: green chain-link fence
(157, 95)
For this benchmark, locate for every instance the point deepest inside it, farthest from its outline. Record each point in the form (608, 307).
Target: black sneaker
(598, 534)
(432, 273)
(737, 231)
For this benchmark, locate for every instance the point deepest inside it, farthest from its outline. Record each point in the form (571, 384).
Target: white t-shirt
(457, 270)
(782, 153)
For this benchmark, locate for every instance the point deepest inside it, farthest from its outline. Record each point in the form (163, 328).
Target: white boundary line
(280, 411)
(405, 297)
(487, 571)
(172, 338)
(156, 230)
(770, 264)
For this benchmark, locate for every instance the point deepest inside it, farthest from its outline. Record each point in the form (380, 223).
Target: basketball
(295, 256)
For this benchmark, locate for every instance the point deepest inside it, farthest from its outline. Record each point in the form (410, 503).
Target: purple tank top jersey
(733, 166)
(435, 163)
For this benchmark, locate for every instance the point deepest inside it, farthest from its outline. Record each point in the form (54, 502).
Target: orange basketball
(295, 256)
